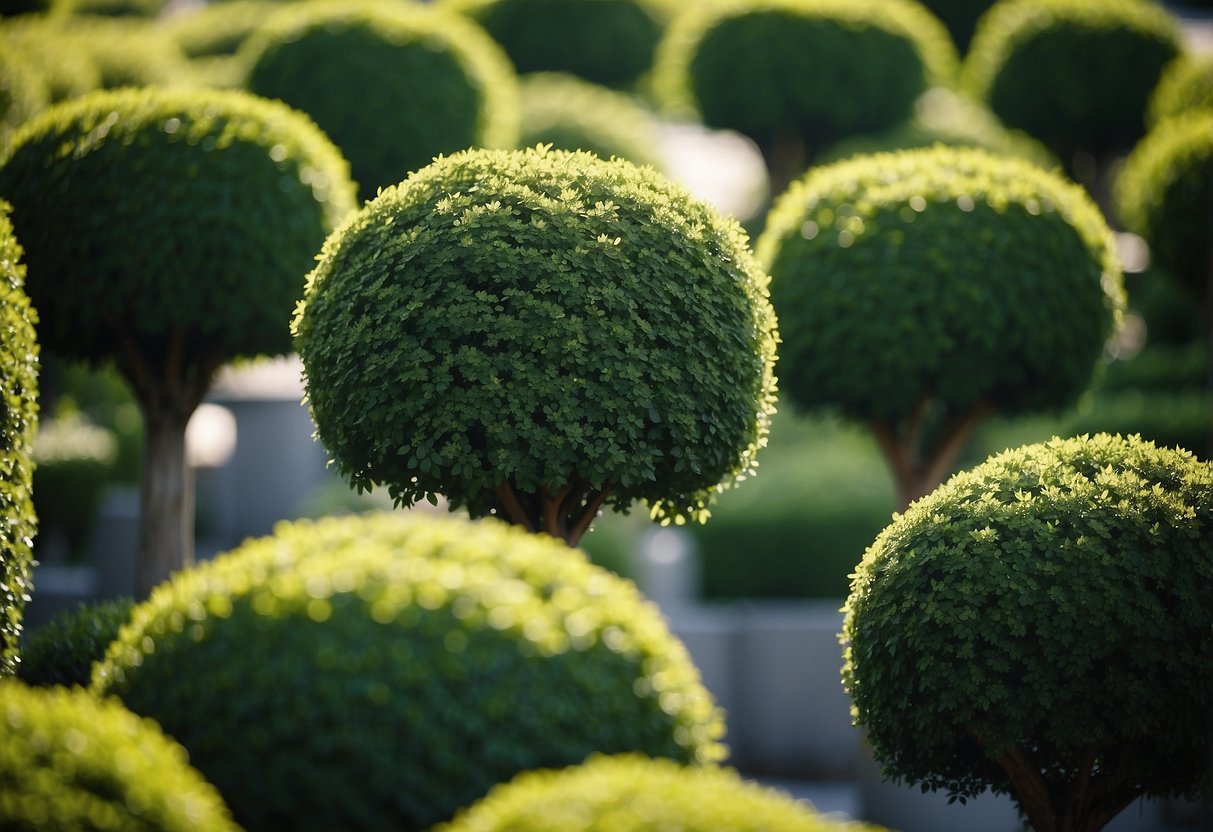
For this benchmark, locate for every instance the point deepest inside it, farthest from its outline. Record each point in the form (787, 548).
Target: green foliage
(818, 70)
(427, 82)
(23, 92)
(1165, 193)
(125, 51)
(944, 274)
(408, 663)
(18, 424)
(74, 460)
(631, 793)
(64, 650)
(14, 8)
(571, 114)
(960, 16)
(68, 761)
(1186, 84)
(67, 73)
(1076, 74)
(542, 319)
(135, 9)
(218, 28)
(1053, 600)
(176, 223)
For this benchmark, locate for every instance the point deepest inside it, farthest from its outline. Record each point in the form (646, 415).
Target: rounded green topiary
(810, 72)
(1039, 625)
(394, 85)
(607, 42)
(68, 761)
(632, 793)
(408, 663)
(18, 424)
(1164, 192)
(63, 650)
(1186, 84)
(67, 73)
(935, 286)
(540, 333)
(1058, 69)
(127, 52)
(23, 92)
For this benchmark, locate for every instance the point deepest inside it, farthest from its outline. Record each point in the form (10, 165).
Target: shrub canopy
(408, 664)
(394, 85)
(1186, 84)
(23, 91)
(68, 761)
(63, 650)
(540, 323)
(18, 424)
(1052, 602)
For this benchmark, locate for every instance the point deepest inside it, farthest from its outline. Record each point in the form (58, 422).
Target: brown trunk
(166, 523)
(565, 515)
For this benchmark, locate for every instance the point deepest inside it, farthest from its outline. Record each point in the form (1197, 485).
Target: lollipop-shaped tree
(539, 334)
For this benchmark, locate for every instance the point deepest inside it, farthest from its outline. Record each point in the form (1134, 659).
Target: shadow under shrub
(63, 651)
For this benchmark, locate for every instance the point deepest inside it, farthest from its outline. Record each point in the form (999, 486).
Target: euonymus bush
(18, 424)
(920, 291)
(1186, 84)
(68, 761)
(170, 231)
(381, 671)
(632, 793)
(1039, 626)
(798, 75)
(63, 650)
(1060, 69)
(393, 84)
(539, 334)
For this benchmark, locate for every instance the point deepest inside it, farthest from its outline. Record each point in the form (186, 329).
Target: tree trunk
(166, 522)
(565, 515)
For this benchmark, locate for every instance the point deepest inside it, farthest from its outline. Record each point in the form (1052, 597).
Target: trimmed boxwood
(382, 671)
(63, 650)
(1186, 84)
(18, 425)
(632, 793)
(922, 290)
(540, 334)
(68, 761)
(393, 84)
(1039, 626)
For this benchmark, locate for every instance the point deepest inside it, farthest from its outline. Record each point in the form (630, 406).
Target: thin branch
(512, 505)
(553, 513)
(899, 462)
(593, 503)
(913, 431)
(1029, 785)
(940, 462)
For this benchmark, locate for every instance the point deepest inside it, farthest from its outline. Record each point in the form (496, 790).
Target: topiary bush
(1039, 626)
(68, 761)
(632, 793)
(63, 650)
(127, 52)
(797, 76)
(1186, 84)
(1058, 70)
(18, 425)
(394, 85)
(66, 73)
(921, 291)
(23, 92)
(170, 231)
(408, 663)
(540, 334)
(607, 42)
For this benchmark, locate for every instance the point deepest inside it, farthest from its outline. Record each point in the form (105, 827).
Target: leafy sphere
(408, 663)
(150, 215)
(948, 273)
(1186, 84)
(1053, 599)
(540, 318)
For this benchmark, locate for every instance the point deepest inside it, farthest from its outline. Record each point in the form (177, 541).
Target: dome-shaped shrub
(63, 650)
(1186, 84)
(394, 85)
(18, 424)
(540, 333)
(126, 52)
(798, 75)
(380, 672)
(23, 92)
(919, 291)
(632, 793)
(608, 42)
(171, 232)
(1076, 74)
(66, 73)
(571, 114)
(1040, 625)
(68, 761)
(1165, 193)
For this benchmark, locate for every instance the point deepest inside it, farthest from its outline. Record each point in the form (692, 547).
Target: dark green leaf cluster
(427, 82)
(608, 42)
(1165, 193)
(571, 114)
(68, 761)
(1061, 69)
(945, 273)
(1186, 84)
(540, 318)
(177, 223)
(63, 651)
(18, 424)
(817, 69)
(960, 16)
(1054, 599)
(632, 793)
(382, 671)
